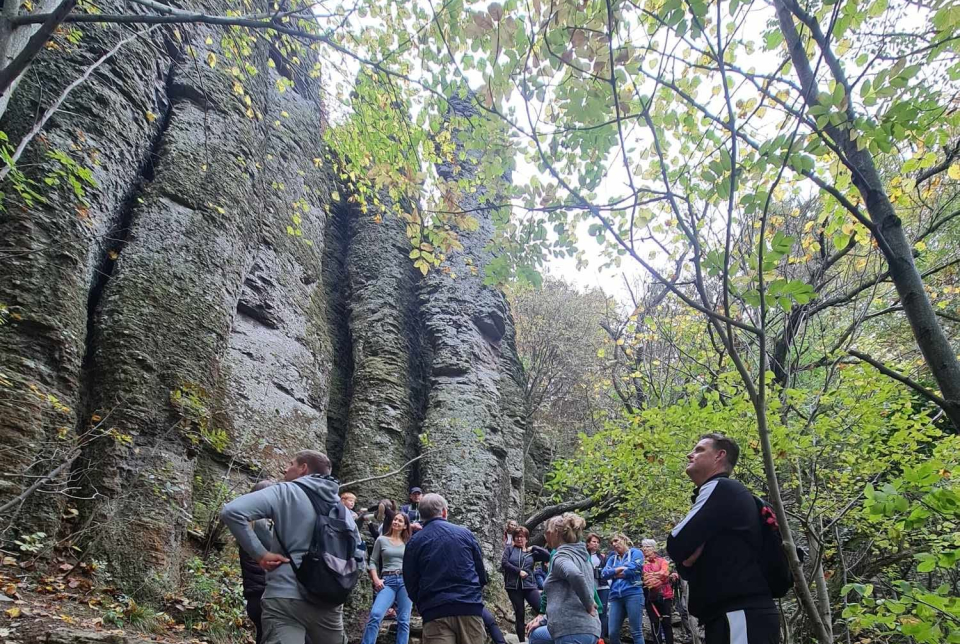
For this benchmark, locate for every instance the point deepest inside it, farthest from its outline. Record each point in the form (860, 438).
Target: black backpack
(330, 569)
(773, 560)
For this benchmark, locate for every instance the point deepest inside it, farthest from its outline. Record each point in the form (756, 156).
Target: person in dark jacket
(518, 576)
(599, 560)
(412, 509)
(717, 550)
(252, 576)
(444, 575)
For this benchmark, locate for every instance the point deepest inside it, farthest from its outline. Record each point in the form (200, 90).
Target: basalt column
(470, 382)
(381, 430)
(55, 252)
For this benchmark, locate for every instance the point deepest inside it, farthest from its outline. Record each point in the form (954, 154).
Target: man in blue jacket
(444, 576)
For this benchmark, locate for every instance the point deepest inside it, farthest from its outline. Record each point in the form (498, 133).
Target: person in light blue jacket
(624, 569)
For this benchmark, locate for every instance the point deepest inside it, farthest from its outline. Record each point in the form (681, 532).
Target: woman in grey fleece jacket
(571, 613)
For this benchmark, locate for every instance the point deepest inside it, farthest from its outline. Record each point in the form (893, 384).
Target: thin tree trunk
(887, 227)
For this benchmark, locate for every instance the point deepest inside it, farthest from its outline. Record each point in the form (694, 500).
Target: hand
(415, 527)
(523, 574)
(593, 610)
(619, 571)
(272, 561)
(377, 584)
(689, 561)
(534, 623)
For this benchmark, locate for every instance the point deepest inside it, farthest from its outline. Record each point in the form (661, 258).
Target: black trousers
(659, 611)
(255, 613)
(517, 597)
(490, 623)
(749, 626)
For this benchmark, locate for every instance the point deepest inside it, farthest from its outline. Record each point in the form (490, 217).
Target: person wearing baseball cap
(412, 509)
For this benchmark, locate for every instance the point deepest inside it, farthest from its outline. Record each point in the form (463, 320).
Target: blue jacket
(443, 571)
(632, 581)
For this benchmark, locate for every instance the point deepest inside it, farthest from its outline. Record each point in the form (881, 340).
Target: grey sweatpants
(291, 621)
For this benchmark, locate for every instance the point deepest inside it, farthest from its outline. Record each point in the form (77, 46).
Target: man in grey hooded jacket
(288, 615)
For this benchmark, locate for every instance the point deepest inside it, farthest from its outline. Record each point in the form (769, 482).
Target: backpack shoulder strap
(320, 506)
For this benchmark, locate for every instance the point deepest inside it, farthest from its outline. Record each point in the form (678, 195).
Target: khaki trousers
(461, 629)
(290, 621)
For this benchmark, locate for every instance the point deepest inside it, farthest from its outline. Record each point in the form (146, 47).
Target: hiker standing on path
(656, 580)
(386, 573)
(444, 576)
(571, 609)
(288, 614)
(624, 569)
(717, 550)
(518, 576)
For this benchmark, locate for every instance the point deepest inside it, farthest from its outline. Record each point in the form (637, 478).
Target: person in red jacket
(656, 580)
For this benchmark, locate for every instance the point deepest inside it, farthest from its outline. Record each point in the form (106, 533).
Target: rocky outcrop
(385, 334)
(212, 305)
(471, 415)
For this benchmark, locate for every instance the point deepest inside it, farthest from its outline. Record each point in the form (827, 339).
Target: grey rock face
(471, 411)
(214, 309)
(385, 336)
(53, 253)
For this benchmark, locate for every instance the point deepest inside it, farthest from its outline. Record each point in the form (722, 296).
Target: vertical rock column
(381, 427)
(54, 253)
(166, 314)
(275, 376)
(469, 382)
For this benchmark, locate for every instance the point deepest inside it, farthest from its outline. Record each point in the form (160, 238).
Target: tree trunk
(940, 357)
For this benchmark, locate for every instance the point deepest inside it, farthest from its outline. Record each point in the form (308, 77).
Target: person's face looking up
(398, 525)
(619, 546)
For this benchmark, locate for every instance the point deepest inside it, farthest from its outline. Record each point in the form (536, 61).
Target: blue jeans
(541, 635)
(393, 590)
(576, 639)
(630, 607)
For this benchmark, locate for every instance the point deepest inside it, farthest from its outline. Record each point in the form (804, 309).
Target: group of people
(419, 558)
(626, 580)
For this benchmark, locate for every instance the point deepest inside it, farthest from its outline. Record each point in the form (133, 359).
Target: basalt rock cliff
(167, 340)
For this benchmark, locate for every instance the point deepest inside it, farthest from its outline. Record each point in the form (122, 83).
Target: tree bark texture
(937, 352)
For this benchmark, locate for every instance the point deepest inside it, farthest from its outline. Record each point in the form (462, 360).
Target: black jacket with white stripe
(727, 574)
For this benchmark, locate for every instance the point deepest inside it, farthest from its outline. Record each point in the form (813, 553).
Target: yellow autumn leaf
(212, 59)
(151, 116)
(954, 171)
(13, 613)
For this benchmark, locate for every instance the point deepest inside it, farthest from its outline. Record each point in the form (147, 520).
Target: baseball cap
(415, 490)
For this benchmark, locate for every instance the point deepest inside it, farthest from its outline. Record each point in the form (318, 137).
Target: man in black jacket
(717, 549)
(252, 575)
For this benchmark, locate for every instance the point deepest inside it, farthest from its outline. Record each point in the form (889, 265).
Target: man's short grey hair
(431, 506)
